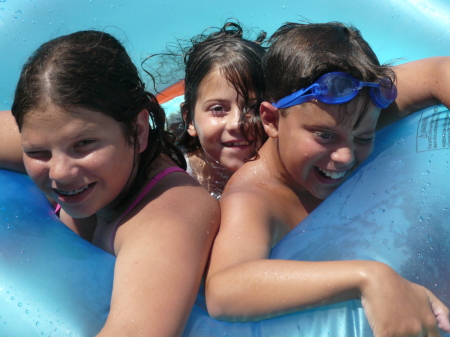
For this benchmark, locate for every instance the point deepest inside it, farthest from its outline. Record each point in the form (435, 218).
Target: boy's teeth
(73, 192)
(333, 175)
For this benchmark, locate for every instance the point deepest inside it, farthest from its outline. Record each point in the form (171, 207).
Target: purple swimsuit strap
(152, 183)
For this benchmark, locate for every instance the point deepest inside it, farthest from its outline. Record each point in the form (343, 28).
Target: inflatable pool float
(52, 282)
(393, 209)
(405, 29)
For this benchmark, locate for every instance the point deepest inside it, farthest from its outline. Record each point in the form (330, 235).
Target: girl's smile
(76, 157)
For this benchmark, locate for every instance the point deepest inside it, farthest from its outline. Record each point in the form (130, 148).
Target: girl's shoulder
(174, 203)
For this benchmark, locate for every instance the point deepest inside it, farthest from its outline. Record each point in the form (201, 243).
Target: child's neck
(307, 202)
(211, 175)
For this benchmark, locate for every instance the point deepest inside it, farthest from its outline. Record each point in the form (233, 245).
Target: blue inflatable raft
(393, 209)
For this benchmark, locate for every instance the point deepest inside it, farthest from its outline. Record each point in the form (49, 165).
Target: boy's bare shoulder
(254, 185)
(252, 177)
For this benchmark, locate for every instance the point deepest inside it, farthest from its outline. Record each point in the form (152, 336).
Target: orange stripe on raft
(175, 90)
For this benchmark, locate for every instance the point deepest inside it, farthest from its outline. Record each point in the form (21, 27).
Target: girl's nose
(61, 168)
(233, 120)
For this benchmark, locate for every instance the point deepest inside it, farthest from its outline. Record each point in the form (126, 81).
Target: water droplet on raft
(420, 256)
(13, 298)
(27, 311)
(37, 323)
(19, 304)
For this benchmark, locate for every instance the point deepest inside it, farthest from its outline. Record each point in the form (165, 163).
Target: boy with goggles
(317, 137)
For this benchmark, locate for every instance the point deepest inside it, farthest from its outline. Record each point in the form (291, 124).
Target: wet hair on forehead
(91, 69)
(300, 53)
(238, 59)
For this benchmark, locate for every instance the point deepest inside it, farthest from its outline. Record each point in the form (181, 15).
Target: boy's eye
(324, 135)
(364, 140)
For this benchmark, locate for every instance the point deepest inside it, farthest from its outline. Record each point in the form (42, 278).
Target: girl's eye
(217, 110)
(42, 155)
(84, 142)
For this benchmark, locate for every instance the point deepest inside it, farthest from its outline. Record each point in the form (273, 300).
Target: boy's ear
(143, 129)
(269, 116)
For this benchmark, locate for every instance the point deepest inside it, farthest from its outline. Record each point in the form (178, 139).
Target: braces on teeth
(73, 192)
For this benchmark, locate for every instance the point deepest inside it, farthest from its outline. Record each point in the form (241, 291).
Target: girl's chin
(232, 166)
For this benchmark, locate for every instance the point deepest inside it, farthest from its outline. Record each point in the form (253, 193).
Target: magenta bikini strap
(152, 183)
(57, 209)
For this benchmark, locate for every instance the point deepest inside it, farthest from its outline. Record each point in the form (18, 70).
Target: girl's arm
(10, 144)
(420, 84)
(242, 284)
(161, 254)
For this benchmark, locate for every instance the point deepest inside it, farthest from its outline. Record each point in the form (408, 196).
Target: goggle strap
(286, 101)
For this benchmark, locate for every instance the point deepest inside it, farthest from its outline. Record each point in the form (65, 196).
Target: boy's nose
(344, 155)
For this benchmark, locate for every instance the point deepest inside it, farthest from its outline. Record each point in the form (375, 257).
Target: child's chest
(104, 235)
(290, 210)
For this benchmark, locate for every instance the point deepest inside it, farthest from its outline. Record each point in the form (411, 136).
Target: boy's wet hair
(240, 62)
(301, 53)
(92, 70)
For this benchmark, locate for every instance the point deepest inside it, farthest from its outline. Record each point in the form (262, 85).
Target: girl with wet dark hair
(324, 91)
(224, 84)
(83, 116)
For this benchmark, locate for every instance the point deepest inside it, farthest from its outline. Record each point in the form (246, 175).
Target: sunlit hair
(300, 53)
(240, 62)
(92, 70)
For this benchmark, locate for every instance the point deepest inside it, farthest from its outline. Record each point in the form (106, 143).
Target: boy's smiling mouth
(331, 174)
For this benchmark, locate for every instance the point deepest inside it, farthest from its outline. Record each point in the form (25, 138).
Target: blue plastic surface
(52, 282)
(393, 209)
(405, 29)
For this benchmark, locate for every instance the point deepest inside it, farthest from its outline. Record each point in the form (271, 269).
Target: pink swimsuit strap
(147, 188)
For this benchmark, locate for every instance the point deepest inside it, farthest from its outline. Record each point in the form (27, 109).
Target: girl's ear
(191, 127)
(143, 129)
(269, 116)
(191, 130)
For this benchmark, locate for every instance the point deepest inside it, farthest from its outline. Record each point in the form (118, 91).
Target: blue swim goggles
(338, 88)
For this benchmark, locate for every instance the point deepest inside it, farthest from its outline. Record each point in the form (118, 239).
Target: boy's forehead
(355, 114)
